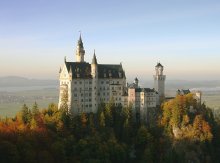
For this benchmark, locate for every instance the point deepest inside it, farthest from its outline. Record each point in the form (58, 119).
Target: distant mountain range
(185, 84)
(16, 81)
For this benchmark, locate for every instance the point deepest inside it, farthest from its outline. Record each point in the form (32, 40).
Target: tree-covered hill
(184, 131)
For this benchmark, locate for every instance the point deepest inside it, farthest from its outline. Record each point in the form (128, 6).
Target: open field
(11, 102)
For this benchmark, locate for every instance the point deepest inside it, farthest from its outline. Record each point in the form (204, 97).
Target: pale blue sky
(184, 35)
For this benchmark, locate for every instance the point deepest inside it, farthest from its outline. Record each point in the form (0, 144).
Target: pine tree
(102, 120)
(26, 115)
(64, 99)
(35, 110)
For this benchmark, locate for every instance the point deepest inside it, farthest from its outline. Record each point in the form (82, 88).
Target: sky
(184, 35)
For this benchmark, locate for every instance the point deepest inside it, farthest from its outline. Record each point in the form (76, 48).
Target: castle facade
(87, 85)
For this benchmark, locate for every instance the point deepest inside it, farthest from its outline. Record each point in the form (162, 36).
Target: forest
(182, 130)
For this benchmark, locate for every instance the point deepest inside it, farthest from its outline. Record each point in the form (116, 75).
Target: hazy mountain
(185, 84)
(16, 81)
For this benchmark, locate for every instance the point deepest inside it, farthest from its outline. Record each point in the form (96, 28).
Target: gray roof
(144, 90)
(183, 91)
(159, 65)
(83, 69)
(110, 71)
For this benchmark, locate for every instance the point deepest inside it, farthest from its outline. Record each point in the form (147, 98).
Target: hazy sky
(184, 35)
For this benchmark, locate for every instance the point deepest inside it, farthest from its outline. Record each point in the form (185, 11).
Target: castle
(88, 85)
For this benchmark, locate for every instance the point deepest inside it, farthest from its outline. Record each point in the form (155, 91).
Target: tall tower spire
(159, 81)
(80, 52)
(94, 74)
(94, 60)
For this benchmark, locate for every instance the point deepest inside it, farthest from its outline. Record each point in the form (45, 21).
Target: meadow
(12, 101)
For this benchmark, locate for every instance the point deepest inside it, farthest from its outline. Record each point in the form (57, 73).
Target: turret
(159, 69)
(70, 73)
(136, 82)
(80, 52)
(94, 67)
(159, 81)
(94, 73)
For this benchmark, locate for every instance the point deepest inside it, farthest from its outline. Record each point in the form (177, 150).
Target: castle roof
(144, 90)
(159, 65)
(79, 69)
(94, 60)
(110, 71)
(83, 70)
(183, 91)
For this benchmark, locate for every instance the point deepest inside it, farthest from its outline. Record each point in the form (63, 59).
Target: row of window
(101, 88)
(112, 82)
(64, 82)
(90, 105)
(86, 94)
(102, 82)
(149, 103)
(80, 82)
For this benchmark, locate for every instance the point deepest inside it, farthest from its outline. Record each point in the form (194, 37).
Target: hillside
(16, 81)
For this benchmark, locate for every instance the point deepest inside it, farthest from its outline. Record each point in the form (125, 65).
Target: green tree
(26, 114)
(64, 100)
(35, 111)
(8, 152)
(102, 120)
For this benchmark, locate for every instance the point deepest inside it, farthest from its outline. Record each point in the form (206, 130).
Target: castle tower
(159, 81)
(94, 73)
(80, 52)
(136, 81)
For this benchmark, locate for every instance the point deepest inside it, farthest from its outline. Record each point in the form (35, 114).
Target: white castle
(89, 85)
